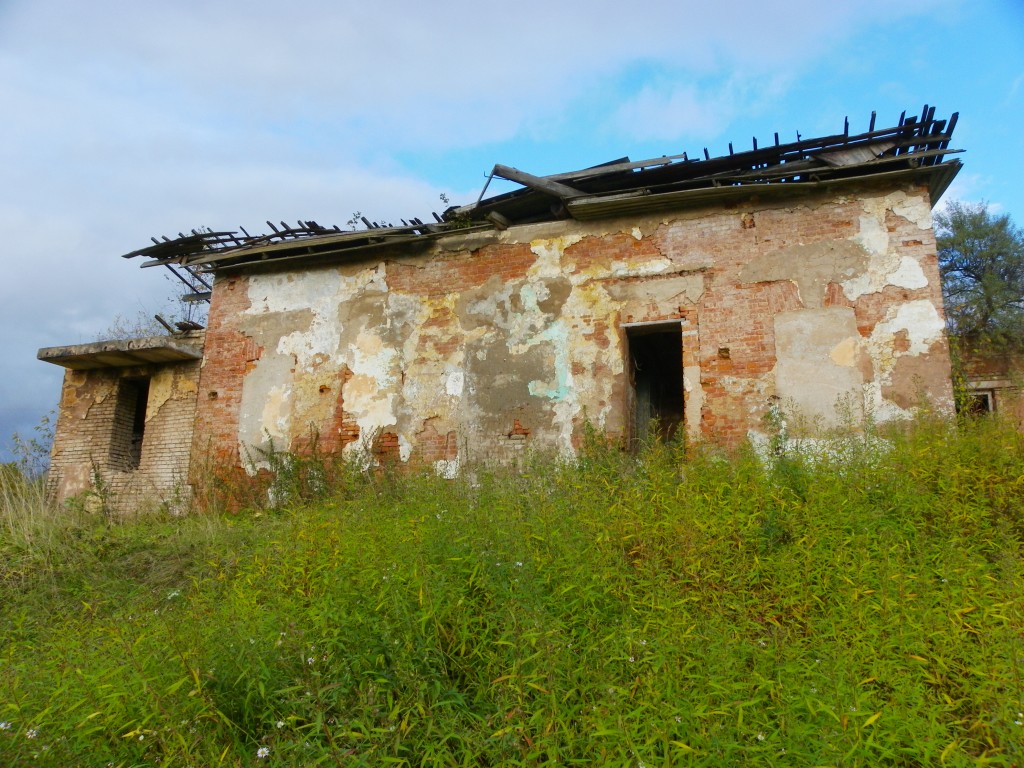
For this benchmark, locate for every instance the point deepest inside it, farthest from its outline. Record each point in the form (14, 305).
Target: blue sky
(125, 120)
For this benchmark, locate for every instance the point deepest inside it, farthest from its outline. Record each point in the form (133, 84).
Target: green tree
(981, 259)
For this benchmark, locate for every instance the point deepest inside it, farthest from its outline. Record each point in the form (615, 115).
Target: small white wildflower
(519, 563)
(943, 581)
(814, 689)
(1018, 721)
(760, 737)
(643, 642)
(631, 659)
(280, 723)
(762, 643)
(679, 719)
(5, 726)
(310, 660)
(142, 737)
(262, 752)
(31, 733)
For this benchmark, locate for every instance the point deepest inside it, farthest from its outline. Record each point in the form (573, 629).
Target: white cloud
(670, 109)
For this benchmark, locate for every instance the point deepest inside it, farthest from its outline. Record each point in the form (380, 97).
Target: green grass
(611, 612)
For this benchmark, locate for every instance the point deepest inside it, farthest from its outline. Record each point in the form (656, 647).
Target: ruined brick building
(695, 292)
(993, 382)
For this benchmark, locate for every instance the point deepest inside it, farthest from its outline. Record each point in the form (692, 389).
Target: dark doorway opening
(656, 378)
(129, 423)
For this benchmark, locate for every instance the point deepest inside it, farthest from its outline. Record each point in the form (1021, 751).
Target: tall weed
(850, 609)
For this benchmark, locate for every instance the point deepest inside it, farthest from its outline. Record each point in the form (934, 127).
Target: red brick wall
(88, 456)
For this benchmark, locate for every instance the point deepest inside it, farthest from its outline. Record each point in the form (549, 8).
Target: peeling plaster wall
(496, 341)
(83, 460)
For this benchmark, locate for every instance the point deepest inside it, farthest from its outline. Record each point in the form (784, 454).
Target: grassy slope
(608, 613)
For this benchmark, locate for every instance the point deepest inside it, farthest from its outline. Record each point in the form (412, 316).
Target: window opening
(656, 379)
(978, 402)
(129, 423)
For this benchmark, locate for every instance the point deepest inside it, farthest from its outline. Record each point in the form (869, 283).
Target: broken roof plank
(539, 183)
(653, 199)
(626, 165)
(328, 248)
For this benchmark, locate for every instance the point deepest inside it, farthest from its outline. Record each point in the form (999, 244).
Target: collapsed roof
(916, 148)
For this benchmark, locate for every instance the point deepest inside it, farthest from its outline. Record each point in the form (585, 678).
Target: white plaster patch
(914, 209)
(404, 448)
(839, 450)
(549, 255)
(694, 400)
(454, 383)
(909, 274)
(881, 409)
(366, 394)
(447, 468)
(274, 417)
(565, 413)
(319, 292)
(371, 407)
(887, 268)
(755, 391)
(923, 327)
(873, 235)
(294, 291)
(637, 234)
(646, 267)
(920, 319)
(520, 323)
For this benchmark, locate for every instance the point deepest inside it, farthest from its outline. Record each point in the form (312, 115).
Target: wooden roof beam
(539, 183)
